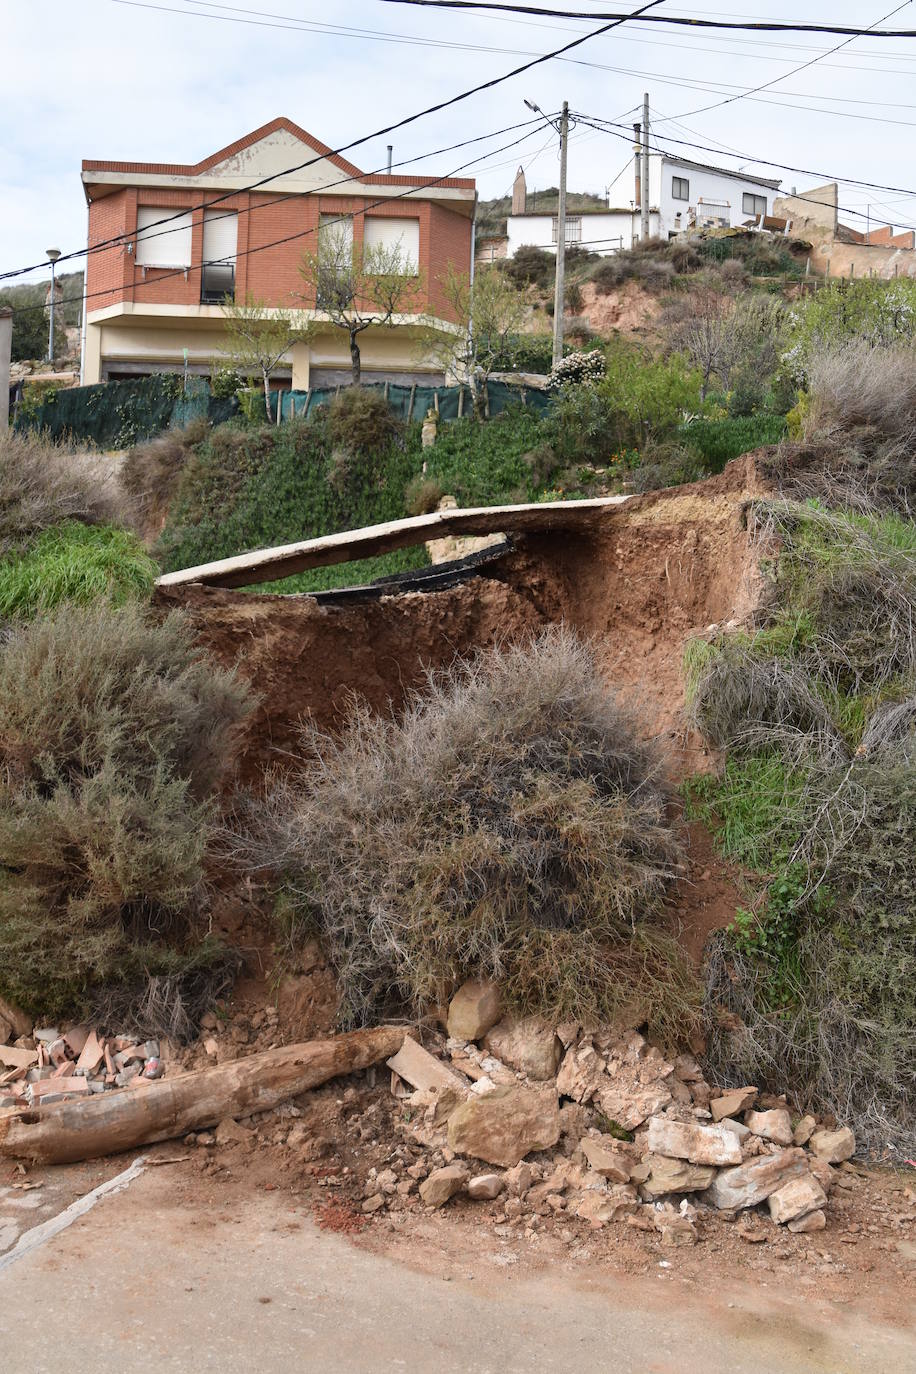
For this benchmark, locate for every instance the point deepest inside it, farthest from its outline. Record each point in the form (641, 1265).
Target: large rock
(529, 1044)
(629, 1103)
(600, 1208)
(675, 1176)
(813, 1221)
(581, 1073)
(505, 1125)
(775, 1125)
(833, 1147)
(475, 1007)
(796, 1199)
(485, 1187)
(611, 1163)
(754, 1181)
(698, 1144)
(443, 1184)
(732, 1102)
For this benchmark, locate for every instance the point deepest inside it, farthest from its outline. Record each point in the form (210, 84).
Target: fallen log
(66, 1132)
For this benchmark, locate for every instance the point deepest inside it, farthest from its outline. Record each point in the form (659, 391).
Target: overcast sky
(172, 81)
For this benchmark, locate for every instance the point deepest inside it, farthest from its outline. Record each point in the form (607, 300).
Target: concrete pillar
(6, 344)
(301, 366)
(92, 355)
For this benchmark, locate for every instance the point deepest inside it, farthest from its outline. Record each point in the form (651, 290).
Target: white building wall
(711, 185)
(602, 233)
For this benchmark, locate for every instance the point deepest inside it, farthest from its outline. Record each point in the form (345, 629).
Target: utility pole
(644, 174)
(559, 291)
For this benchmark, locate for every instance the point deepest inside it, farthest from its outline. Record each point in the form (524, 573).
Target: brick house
(152, 297)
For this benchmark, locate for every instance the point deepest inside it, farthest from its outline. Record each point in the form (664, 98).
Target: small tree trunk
(355, 359)
(267, 409)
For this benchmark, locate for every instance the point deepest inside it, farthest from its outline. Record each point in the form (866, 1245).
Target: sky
(175, 80)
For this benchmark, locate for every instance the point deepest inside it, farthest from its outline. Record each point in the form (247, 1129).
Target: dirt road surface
(144, 1283)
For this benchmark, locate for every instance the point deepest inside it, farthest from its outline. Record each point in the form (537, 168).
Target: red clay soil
(638, 579)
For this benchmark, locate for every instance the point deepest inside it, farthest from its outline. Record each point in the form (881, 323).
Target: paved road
(142, 1284)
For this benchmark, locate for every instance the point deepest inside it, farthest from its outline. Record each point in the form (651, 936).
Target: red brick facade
(274, 230)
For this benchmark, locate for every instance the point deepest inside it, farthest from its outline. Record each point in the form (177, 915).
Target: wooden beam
(269, 565)
(105, 1123)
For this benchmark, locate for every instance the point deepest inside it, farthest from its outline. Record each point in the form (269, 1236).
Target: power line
(301, 233)
(389, 128)
(766, 85)
(765, 26)
(595, 122)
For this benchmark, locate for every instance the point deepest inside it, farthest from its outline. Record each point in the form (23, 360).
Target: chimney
(519, 193)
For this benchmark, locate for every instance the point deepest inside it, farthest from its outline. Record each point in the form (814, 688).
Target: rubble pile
(46, 1066)
(588, 1125)
(49, 1065)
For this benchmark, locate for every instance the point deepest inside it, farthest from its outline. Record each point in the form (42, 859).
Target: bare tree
(356, 287)
(257, 336)
(723, 336)
(490, 312)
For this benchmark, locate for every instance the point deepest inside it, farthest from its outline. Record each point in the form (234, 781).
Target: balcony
(217, 281)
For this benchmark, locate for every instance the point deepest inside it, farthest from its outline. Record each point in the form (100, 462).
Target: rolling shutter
(221, 233)
(398, 234)
(163, 245)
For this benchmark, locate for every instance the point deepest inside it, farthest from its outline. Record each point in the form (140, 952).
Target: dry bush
(362, 421)
(863, 387)
(44, 484)
(115, 734)
(423, 494)
(509, 825)
(151, 471)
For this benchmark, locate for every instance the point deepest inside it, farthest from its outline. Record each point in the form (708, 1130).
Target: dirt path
(174, 1275)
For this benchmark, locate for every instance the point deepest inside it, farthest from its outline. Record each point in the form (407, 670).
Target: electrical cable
(399, 124)
(766, 85)
(765, 26)
(299, 234)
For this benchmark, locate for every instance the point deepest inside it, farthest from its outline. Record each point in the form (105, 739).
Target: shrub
(44, 484)
(881, 314)
(509, 826)
(422, 495)
(361, 421)
(530, 266)
(717, 442)
(77, 563)
(578, 368)
(116, 733)
(150, 471)
(665, 464)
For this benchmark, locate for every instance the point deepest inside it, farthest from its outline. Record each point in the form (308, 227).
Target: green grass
(755, 809)
(78, 563)
(719, 441)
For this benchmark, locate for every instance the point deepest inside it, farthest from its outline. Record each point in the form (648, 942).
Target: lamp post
(53, 254)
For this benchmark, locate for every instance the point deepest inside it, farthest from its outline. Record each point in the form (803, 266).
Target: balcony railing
(217, 281)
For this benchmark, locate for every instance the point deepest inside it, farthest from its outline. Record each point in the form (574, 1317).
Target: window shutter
(221, 232)
(163, 245)
(400, 234)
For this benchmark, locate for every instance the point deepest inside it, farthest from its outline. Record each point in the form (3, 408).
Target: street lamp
(53, 254)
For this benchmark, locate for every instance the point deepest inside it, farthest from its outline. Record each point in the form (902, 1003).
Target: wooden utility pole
(644, 231)
(559, 290)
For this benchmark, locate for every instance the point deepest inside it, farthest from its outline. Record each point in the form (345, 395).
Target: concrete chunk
(423, 1070)
(698, 1144)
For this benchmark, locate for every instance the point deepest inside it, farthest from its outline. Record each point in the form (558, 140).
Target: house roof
(281, 123)
(720, 171)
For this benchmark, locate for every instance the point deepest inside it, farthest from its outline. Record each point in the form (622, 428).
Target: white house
(682, 195)
(687, 195)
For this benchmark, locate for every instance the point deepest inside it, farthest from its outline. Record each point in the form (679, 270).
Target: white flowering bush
(578, 369)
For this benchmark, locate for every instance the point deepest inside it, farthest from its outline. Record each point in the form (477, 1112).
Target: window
(573, 229)
(335, 239)
(163, 245)
(680, 188)
(753, 205)
(394, 236)
(217, 278)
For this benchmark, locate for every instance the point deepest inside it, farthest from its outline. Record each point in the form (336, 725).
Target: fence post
(413, 393)
(6, 345)
(460, 402)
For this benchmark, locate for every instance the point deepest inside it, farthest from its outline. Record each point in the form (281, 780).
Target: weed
(77, 563)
